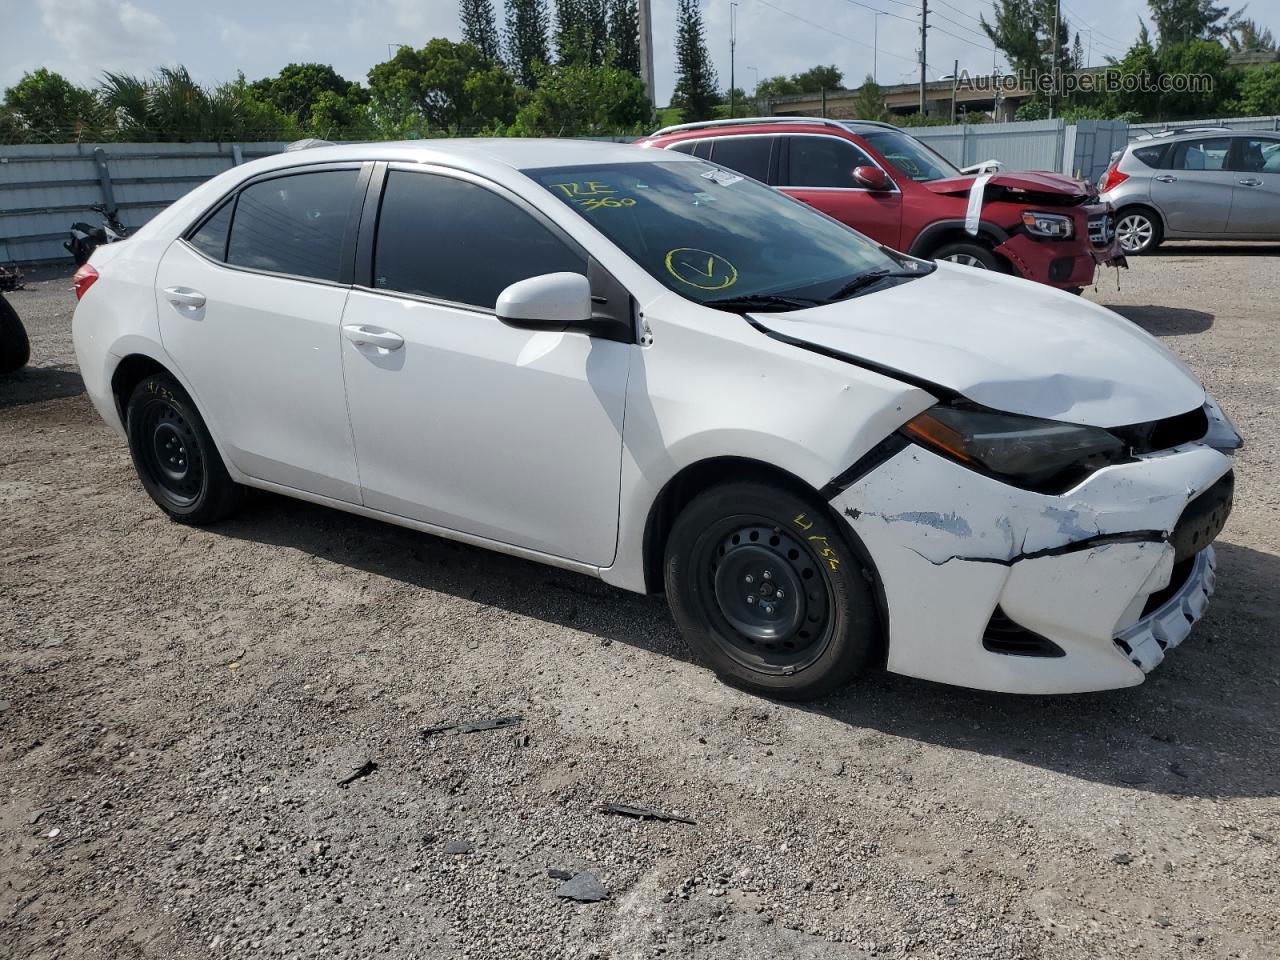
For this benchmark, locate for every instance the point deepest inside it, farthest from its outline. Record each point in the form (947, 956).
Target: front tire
(15, 348)
(175, 456)
(770, 592)
(969, 255)
(1139, 231)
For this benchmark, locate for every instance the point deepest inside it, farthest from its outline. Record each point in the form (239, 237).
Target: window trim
(606, 327)
(775, 163)
(791, 136)
(347, 250)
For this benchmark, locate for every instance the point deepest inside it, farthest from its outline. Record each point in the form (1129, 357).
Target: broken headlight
(1046, 455)
(1052, 225)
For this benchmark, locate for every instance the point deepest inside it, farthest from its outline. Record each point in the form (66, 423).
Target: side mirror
(873, 178)
(552, 301)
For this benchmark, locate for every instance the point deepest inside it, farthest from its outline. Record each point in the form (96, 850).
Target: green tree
(1259, 91)
(49, 107)
(819, 78)
(1250, 35)
(295, 88)
(527, 43)
(582, 100)
(870, 104)
(1179, 21)
(624, 35)
(170, 106)
(1200, 58)
(1135, 77)
(336, 117)
(448, 85)
(480, 28)
(778, 86)
(1015, 32)
(695, 92)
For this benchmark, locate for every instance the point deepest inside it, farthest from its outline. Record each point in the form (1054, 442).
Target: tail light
(84, 279)
(1113, 178)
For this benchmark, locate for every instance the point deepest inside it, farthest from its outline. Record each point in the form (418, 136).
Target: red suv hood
(1027, 180)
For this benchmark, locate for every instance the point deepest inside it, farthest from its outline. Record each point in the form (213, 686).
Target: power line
(826, 29)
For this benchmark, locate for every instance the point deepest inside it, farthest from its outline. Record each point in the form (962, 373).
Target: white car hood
(1005, 343)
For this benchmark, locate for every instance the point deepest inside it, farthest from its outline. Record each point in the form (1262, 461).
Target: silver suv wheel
(966, 259)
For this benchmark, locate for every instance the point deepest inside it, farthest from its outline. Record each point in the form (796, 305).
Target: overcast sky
(82, 38)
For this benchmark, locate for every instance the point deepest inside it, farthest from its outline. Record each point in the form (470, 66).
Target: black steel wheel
(174, 454)
(770, 591)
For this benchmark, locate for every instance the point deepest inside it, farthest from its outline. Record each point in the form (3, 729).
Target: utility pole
(875, 46)
(924, 58)
(733, 42)
(646, 50)
(955, 86)
(1053, 54)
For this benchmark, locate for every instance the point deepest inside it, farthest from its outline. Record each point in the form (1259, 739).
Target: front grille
(1011, 639)
(1102, 230)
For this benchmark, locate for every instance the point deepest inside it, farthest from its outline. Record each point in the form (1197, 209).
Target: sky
(82, 38)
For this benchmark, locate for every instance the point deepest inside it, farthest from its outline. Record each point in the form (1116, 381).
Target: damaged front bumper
(1072, 263)
(1023, 592)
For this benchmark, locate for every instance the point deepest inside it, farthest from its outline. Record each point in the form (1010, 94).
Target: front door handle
(1167, 179)
(1250, 182)
(363, 336)
(185, 297)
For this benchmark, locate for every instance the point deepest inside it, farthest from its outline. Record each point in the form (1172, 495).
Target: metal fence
(44, 188)
(1079, 149)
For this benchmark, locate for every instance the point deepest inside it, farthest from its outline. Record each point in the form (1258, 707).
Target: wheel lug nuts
(751, 598)
(750, 578)
(780, 594)
(768, 575)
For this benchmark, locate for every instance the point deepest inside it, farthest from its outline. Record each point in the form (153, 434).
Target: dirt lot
(178, 706)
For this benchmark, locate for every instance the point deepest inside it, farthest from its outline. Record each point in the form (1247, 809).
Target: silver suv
(1201, 184)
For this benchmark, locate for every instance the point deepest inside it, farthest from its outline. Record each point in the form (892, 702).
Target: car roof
(513, 152)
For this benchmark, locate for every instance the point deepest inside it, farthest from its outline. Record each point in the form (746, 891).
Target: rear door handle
(185, 297)
(1167, 179)
(363, 336)
(1250, 182)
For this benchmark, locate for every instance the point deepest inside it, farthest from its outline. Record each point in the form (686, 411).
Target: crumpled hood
(1007, 344)
(1023, 180)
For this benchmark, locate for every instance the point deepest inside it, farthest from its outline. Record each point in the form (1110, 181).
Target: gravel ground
(179, 706)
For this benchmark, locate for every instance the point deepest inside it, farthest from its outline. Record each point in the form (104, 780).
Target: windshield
(717, 237)
(909, 156)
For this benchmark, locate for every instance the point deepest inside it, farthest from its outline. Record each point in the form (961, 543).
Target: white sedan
(645, 368)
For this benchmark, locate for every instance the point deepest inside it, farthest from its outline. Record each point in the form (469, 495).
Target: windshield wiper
(870, 278)
(762, 301)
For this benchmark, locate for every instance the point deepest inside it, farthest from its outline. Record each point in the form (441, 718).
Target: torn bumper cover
(1120, 561)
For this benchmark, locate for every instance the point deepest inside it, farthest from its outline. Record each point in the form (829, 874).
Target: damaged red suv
(893, 188)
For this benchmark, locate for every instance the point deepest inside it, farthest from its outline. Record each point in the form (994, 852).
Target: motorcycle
(15, 349)
(85, 238)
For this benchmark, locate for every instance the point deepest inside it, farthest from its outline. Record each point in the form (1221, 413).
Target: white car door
(250, 304)
(460, 420)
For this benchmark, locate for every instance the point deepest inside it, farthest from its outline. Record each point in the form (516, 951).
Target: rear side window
(1258, 155)
(1208, 154)
(1151, 156)
(749, 155)
(211, 238)
(294, 224)
(454, 240)
(824, 162)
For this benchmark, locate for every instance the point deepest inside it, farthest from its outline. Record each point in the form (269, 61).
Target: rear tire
(1139, 230)
(175, 456)
(15, 348)
(969, 255)
(770, 592)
